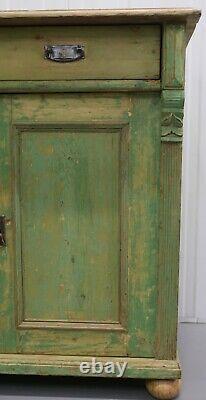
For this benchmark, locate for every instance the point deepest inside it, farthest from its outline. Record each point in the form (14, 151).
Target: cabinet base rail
(143, 368)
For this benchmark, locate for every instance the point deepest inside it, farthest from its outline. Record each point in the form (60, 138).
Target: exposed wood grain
(164, 389)
(108, 16)
(63, 365)
(111, 52)
(36, 324)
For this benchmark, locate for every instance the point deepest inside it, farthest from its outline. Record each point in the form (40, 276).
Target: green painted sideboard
(91, 125)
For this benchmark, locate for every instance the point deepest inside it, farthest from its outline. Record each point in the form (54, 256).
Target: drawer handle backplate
(64, 53)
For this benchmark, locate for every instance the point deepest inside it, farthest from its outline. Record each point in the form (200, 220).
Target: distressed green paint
(95, 108)
(173, 56)
(7, 317)
(70, 213)
(88, 85)
(169, 233)
(70, 302)
(77, 220)
(143, 223)
(171, 156)
(63, 365)
(90, 167)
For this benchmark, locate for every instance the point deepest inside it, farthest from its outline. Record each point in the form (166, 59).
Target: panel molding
(25, 322)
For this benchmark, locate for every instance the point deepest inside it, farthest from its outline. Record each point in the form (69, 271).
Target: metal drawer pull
(64, 53)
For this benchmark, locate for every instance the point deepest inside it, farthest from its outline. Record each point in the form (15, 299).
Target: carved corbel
(172, 115)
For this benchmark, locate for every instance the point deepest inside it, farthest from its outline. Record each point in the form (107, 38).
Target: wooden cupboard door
(80, 195)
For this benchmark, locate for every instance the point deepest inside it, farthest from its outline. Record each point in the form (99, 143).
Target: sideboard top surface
(103, 16)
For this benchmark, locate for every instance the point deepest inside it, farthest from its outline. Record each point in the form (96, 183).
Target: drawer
(111, 52)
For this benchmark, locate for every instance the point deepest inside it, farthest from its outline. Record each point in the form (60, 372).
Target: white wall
(193, 230)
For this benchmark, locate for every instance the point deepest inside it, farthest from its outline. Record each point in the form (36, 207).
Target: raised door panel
(69, 200)
(79, 273)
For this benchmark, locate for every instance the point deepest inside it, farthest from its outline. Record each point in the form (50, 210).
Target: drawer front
(111, 52)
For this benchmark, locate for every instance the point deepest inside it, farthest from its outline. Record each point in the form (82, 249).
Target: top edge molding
(189, 16)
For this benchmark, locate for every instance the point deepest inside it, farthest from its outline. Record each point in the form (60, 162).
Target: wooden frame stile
(8, 333)
(173, 49)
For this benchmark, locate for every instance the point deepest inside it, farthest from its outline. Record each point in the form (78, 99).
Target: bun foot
(164, 389)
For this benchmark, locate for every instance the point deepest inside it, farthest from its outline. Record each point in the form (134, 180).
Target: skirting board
(192, 320)
(144, 368)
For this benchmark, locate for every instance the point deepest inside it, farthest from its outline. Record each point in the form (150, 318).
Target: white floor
(192, 346)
